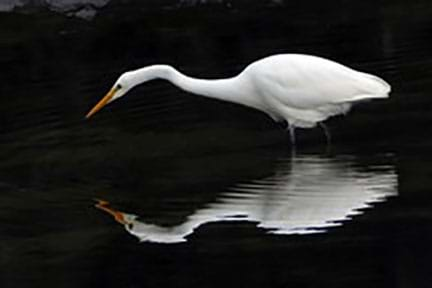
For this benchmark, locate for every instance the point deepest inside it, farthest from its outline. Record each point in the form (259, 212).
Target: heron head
(122, 218)
(123, 84)
(129, 220)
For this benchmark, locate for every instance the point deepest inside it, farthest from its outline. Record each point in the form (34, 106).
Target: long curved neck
(229, 89)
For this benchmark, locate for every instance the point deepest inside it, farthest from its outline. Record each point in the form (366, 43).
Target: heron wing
(308, 82)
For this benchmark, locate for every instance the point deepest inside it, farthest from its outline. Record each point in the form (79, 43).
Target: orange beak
(102, 102)
(118, 216)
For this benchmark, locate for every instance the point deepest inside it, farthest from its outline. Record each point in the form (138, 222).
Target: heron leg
(291, 130)
(326, 132)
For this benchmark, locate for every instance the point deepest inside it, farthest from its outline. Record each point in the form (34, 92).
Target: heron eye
(119, 86)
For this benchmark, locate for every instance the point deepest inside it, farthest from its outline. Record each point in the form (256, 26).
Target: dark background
(162, 153)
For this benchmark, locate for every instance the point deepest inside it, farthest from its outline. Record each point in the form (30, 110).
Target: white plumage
(305, 89)
(302, 89)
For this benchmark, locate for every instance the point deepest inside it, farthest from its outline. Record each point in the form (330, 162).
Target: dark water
(212, 189)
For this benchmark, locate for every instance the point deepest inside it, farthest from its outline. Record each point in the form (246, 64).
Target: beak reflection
(104, 206)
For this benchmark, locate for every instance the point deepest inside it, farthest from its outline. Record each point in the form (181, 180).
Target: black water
(215, 180)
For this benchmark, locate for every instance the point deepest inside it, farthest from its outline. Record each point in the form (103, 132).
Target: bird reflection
(306, 194)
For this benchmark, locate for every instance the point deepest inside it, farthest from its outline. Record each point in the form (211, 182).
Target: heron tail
(373, 87)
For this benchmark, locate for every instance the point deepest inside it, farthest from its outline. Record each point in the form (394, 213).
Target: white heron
(303, 90)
